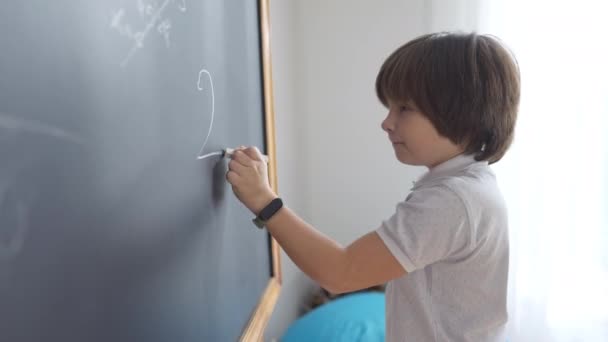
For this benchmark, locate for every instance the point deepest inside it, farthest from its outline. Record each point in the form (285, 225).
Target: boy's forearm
(315, 254)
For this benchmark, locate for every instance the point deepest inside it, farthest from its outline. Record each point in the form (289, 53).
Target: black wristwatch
(267, 212)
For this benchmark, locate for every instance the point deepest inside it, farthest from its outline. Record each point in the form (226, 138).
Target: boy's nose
(386, 124)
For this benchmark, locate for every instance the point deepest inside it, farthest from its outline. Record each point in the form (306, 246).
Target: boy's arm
(366, 262)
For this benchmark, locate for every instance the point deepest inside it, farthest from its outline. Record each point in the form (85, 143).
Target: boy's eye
(404, 109)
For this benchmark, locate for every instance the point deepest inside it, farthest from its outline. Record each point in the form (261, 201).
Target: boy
(452, 102)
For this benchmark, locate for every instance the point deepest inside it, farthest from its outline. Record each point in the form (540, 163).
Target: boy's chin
(408, 160)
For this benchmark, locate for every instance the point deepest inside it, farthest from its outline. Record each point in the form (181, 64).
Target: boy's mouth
(397, 144)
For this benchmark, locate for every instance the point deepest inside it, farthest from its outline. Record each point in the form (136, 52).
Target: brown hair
(466, 84)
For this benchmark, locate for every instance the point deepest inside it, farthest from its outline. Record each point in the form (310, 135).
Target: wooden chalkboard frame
(254, 331)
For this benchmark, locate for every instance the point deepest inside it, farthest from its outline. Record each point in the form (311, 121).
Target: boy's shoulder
(475, 186)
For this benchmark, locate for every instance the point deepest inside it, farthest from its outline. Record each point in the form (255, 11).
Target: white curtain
(555, 177)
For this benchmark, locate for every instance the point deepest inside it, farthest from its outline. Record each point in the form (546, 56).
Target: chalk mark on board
(200, 88)
(181, 5)
(144, 9)
(13, 207)
(30, 126)
(219, 153)
(153, 15)
(12, 245)
(163, 28)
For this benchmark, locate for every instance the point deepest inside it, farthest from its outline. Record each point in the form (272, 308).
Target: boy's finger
(237, 167)
(241, 157)
(254, 153)
(232, 177)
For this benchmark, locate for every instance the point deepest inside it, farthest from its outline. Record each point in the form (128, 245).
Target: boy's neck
(447, 156)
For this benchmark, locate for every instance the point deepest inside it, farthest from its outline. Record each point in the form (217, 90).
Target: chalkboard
(111, 228)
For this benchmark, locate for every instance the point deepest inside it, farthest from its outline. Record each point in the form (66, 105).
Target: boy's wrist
(262, 202)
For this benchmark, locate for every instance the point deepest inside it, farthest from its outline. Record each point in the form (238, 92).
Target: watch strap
(268, 211)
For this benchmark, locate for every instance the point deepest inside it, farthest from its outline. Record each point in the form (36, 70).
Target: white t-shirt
(451, 237)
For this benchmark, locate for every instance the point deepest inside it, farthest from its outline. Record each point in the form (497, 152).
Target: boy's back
(451, 237)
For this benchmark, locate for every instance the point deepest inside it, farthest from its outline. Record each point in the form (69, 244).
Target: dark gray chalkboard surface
(110, 228)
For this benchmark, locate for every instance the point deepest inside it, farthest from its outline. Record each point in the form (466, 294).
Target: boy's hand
(248, 175)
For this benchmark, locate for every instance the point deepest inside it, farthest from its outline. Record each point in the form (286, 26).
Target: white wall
(336, 167)
(296, 286)
(354, 180)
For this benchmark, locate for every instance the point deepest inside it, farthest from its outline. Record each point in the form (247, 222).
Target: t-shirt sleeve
(429, 226)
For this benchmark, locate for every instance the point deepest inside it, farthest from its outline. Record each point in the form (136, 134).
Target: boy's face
(414, 138)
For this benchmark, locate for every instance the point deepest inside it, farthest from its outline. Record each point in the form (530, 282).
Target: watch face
(259, 223)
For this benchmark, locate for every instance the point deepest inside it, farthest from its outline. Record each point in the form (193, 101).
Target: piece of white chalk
(228, 152)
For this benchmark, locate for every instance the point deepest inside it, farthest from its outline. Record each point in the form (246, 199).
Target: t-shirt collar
(448, 167)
